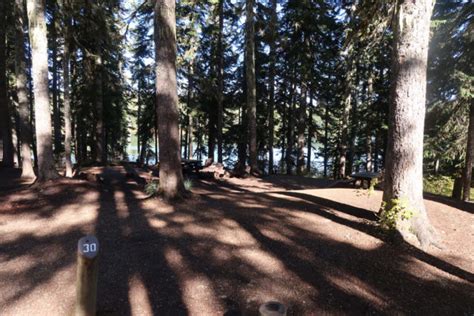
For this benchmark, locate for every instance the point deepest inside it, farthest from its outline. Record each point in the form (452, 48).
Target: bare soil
(231, 246)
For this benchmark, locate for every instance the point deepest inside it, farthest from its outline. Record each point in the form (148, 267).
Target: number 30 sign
(88, 246)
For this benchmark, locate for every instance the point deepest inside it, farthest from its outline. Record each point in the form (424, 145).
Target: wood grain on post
(86, 279)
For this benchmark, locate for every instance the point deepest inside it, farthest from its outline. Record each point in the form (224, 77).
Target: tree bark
(368, 139)
(189, 131)
(220, 82)
(5, 119)
(467, 174)
(67, 110)
(404, 159)
(15, 140)
(55, 90)
(326, 136)
(39, 58)
(347, 99)
(101, 150)
(251, 84)
(139, 110)
(190, 137)
(311, 132)
(301, 129)
(22, 92)
(284, 129)
(171, 177)
(291, 127)
(67, 91)
(212, 131)
(271, 77)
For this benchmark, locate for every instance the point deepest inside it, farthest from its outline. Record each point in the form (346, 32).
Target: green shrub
(188, 184)
(399, 210)
(440, 185)
(152, 188)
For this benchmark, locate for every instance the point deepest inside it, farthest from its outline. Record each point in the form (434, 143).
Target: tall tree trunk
(55, 90)
(291, 127)
(376, 151)
(171, 177)
(181, 140)
(142, 155)
(67, 101)
(15, 141)
(190, 139)
(404, 159)
(220, 82)
(467, 174)
(251, 84)
(5, 123)
(271, 84)
(368, 139)
(22, 92)
(326, 136)
(309, 142)
(139, 110)
(211, 144)
(301, 129)
(101, 150)
(347, 99)
(39, 56)
(31, 104)
(156, 139)
(283, 134)
(189, 101)
(186, 137)
(354, 127)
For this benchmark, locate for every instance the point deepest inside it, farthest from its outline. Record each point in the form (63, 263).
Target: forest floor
(232, 245)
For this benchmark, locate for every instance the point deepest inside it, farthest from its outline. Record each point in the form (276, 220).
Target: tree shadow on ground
(131, 249)
(334, 276)
(225, 251)
(461, 205)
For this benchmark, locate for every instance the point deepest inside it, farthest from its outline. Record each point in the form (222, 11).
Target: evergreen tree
(39, 56)
(171, 178)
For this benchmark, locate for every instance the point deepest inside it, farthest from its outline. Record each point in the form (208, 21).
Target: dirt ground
(229, 247)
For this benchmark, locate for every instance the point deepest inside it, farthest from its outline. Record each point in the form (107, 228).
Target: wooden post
(86, 280)
(272, 308)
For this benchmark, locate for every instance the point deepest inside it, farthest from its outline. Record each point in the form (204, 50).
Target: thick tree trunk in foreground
(5, 124)
(55, 89)
(251, 84)
(22, 92)
(67, 91)
(467, 174)
(404, 160)
(171, 177)
(39, 58)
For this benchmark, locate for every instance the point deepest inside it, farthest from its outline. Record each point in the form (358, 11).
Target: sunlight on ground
(303, 247)
(138, 297)
(196, 288)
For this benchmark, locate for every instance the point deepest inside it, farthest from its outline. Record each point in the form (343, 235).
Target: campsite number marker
(88, 246)
(86, 278)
